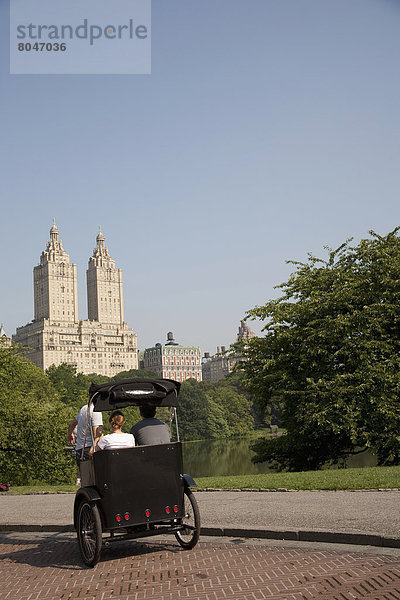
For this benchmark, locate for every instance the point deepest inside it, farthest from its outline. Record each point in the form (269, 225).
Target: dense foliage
(32, 425)
(214, 410)
(330, 357)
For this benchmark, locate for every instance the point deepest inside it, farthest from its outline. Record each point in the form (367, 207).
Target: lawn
(335, 479)
(338, 479)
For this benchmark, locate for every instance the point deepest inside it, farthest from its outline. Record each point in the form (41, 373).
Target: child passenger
(117, 439)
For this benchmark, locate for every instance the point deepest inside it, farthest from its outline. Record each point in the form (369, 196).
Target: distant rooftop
(245, 333)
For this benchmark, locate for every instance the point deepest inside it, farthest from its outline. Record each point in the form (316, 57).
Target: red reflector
(147, 513)
(127, 516)
(118, 518)
(167, 510)
(176, 509)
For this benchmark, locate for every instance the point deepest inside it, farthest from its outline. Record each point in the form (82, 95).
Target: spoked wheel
(89, 533)
(189, 535)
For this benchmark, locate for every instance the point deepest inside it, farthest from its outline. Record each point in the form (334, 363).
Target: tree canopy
(32, 424)
(213, 410)
(330, 356)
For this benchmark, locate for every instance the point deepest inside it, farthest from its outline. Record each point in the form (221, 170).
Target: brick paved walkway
(49, 567)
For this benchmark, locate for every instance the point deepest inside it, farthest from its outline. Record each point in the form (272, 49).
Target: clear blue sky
(267, 129)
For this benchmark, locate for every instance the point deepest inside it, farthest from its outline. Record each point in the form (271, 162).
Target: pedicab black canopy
(134, 392)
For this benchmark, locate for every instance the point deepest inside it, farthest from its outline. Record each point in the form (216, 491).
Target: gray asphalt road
(354, 512)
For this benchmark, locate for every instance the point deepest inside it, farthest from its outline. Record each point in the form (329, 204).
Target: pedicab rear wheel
(89, 533)
(189, 535)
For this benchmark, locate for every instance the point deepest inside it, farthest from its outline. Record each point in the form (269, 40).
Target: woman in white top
(117, 439)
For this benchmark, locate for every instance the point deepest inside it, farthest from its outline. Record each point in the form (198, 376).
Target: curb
(36, 528)
(199, 490)
(328, 537)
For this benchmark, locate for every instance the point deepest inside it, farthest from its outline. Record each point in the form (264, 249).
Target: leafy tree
(137, 374)
(217, 424)
(213, 410)
(193, 411)
(18, 374)
(262, 415)
(32, 424)
(330, 357)
(230, 412)
(71, 386)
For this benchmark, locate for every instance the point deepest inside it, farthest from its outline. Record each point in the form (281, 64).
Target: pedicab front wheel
(189, 535)
(89, 533)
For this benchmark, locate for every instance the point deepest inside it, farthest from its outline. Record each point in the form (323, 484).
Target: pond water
(233, 457)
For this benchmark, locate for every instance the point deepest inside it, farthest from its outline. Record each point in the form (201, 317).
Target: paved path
(350, 513)
(34, 567)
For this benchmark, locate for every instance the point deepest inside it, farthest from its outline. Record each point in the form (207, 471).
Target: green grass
(366, 478)
(37, 489)
(338, 479)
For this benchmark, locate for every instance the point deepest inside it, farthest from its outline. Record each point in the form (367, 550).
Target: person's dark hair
(116, 419)
(148, 412)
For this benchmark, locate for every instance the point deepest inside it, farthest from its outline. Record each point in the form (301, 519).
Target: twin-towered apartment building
(101, 344)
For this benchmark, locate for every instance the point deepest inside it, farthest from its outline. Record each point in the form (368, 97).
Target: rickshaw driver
(79, 422)
(149, 430)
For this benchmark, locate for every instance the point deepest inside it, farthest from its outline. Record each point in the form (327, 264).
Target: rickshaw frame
(135, 492)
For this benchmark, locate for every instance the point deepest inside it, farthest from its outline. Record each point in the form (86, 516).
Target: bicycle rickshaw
(134, 492)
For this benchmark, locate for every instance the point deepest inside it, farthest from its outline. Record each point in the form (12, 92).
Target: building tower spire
(100, 241)
(104, 286)
(54, 241)
(55, 283)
